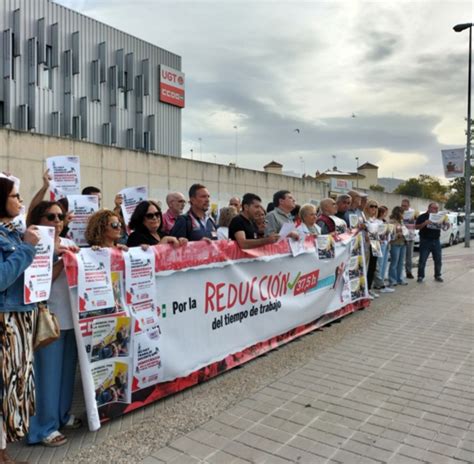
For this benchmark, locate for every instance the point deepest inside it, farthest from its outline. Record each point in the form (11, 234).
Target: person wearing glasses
(17, 320)
(55, 364)
(146, 223)
(176, 203)
(104, 230)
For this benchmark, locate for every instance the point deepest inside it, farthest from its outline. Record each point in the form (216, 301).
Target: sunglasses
(15, 195)
(152, 215)
(115, 225)
(373, 206)
(52, 216)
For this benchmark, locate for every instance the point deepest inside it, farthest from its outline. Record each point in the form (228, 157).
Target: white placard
(38, 275)
(140, 285)
(94, 283)
(286, 229)
(147, 357)
(83, 206)
(132, 196)
(65, 172)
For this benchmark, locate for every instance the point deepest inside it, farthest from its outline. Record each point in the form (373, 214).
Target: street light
(192, 154)
(200, 147)
(467, 169)
(357, 178)
(236, 144)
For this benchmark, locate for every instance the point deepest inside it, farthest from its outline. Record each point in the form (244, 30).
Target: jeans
(428, 246)
(55, 368)
(409, 256)
(397, 260)
(382, 266)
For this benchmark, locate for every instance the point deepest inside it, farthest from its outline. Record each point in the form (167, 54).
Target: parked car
(453, 234)
(471, 225)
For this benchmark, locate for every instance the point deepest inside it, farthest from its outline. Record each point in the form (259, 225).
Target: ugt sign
(171, 86)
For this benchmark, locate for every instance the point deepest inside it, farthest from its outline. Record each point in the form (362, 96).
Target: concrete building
(64, 74)
(370, 174)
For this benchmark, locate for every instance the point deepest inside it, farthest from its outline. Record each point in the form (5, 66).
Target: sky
(384, 81)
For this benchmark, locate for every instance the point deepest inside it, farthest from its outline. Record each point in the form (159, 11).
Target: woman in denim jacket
(16, 322)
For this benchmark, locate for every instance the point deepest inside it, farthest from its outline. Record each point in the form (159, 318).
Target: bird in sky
(296, 130)
(353, 115)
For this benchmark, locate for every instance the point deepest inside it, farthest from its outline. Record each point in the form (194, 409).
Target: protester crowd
(37, 387)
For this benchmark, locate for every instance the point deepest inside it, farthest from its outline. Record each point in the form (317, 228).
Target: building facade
(67, 75)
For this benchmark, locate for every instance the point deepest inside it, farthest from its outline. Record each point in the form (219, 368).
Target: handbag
(47, 327)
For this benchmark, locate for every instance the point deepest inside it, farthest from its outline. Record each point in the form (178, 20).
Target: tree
(456, 198)
(424, 186)
(377, 188)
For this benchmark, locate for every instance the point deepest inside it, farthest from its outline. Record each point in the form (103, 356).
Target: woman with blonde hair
(308, 218)
(104, 229)
(225, 216)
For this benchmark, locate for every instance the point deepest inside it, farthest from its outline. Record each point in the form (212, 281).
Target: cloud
(268, 67)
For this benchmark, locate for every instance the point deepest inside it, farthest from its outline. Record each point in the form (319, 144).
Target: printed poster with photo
(38, 276)
(131, 197)
(94, 285)
(453, 162)
(326, 247)
(65, 172)
(110, 338)
(83, 206)
(140, 285)
(111, 381)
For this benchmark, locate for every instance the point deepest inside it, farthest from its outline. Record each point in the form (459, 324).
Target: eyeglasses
(15, 195)
(115, 225)
(52, 216)
(181, 201)
(152, 215)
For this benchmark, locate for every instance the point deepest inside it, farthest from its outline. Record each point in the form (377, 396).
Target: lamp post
(236, 144)
(200, 147)
(467, 169)
(192, 154)
(357, 179)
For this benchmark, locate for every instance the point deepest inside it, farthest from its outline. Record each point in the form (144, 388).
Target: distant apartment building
(68, 75)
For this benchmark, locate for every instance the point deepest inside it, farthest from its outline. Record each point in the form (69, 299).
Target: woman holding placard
(372, 224)
(17, 321)
(397, 248)
(146, 223)
(55, 364)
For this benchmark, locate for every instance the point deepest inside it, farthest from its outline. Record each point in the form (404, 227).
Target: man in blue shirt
(196, 224)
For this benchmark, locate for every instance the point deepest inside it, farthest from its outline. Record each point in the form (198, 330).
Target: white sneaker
(386, 290)
(373, 294)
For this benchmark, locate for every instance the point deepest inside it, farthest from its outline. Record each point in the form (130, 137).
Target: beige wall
(111, 169)
(371, 178)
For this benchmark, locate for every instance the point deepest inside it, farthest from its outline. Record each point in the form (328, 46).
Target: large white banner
(206, 305)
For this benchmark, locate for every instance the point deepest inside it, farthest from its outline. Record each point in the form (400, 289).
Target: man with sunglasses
(176, 203)
(196, 224)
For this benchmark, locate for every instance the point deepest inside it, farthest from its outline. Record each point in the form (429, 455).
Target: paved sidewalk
(401, 391)
(391, 384)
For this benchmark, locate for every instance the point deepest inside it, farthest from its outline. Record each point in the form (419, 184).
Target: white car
(453, 234)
